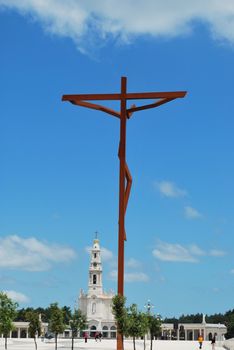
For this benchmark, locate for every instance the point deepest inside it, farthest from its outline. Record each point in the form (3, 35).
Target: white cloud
(192, 213)
(169, 189)
(195, 250)
(133, 263)
(113, 275)
(88, 249)
(176, 252)
(31, 254)
(106, 254)
(217, 252)
(136, 277)
(130, 277)
(16, 296)
(95, 21)
(232, 271)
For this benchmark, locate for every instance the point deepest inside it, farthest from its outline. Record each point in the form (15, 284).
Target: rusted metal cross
(125, 179)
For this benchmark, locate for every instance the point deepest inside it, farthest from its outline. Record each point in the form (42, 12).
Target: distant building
(21, 329)
(191, 331)
(97, 304)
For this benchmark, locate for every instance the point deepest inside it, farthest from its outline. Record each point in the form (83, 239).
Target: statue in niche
(93, 308)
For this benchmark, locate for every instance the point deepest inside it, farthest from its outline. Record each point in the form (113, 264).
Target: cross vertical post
(122, 162)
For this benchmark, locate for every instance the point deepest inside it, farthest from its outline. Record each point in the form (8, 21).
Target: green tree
(77, 324)
(171, 320)
(154, 328)
(120, 314)
(216, 318)
(67, 314)
(137, 324)
(7, 315)
(144, 325)
(34, 325)
(197, 318)
(56, 323)
(230, 327)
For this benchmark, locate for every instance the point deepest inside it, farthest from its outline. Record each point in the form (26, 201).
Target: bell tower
(95, 270)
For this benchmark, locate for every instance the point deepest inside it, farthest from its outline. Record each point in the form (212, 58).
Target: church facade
(97, 304)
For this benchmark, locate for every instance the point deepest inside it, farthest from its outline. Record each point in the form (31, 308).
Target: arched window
(105, 332)
(93, 331)
(94, 279)
(113, 332)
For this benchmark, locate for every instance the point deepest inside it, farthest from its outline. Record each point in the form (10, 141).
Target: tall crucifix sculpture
(125, 179)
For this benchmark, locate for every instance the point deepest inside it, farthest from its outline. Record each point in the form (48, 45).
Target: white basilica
(96, 304)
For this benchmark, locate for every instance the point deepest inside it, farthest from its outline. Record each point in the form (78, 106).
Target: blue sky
(59, 165)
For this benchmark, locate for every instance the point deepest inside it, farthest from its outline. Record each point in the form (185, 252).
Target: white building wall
(96, 304)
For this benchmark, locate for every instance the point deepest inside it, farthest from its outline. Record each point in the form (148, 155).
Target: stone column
(204, 334)
(185, 334)
(193, 334)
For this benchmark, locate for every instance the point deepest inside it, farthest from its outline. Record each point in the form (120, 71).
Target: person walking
(200, 341)
(86, 337)
(213, 342)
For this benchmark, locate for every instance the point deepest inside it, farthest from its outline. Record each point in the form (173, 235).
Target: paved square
(65, 344)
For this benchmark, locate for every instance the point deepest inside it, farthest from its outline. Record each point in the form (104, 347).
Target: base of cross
(120, 345)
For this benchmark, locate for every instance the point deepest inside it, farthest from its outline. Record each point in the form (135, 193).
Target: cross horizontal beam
(127, 96)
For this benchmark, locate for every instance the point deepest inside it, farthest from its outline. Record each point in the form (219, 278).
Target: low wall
(229, 344)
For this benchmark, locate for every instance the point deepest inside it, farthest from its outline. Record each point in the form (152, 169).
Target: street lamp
(148, 306)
